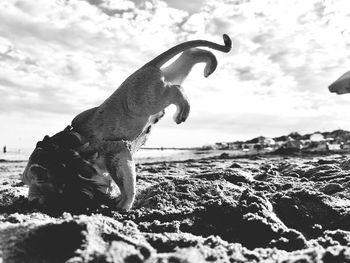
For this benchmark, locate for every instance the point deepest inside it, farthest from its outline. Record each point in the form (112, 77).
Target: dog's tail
(172, 52)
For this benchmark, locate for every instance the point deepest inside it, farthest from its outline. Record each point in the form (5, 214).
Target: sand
(219, 209)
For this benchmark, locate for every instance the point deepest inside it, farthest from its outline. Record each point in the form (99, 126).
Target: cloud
(58, 58)
(295, 38)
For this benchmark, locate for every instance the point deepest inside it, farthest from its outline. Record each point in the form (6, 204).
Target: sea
(13, 162)
(142, 156)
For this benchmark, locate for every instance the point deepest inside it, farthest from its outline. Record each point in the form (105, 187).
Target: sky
(58, 58)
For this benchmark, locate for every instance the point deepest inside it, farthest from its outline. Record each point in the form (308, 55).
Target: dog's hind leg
(174, 94)
(177, 72)
(157, 97)
(177, 97)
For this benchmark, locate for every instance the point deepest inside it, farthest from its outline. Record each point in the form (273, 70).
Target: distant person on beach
(4, 149)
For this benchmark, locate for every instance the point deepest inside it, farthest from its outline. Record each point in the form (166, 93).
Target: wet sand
(218, 209)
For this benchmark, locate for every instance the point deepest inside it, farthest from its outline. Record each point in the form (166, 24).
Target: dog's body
(117, 128)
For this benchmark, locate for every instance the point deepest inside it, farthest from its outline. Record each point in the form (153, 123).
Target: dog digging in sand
(107, 136)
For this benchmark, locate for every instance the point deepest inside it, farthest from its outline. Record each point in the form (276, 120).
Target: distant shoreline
(170, 154)
(172, 148)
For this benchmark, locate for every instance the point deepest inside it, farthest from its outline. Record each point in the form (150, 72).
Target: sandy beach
(216, 209)
(236, 114)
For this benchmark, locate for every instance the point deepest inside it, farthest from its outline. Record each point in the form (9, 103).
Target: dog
(111, 133)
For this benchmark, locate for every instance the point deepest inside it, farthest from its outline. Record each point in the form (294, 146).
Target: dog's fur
(61, 178)
(117, 128)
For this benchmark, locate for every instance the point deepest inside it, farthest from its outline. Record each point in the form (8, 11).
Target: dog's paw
(123, 204)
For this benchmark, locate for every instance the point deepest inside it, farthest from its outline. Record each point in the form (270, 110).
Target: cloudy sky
(58, 58)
